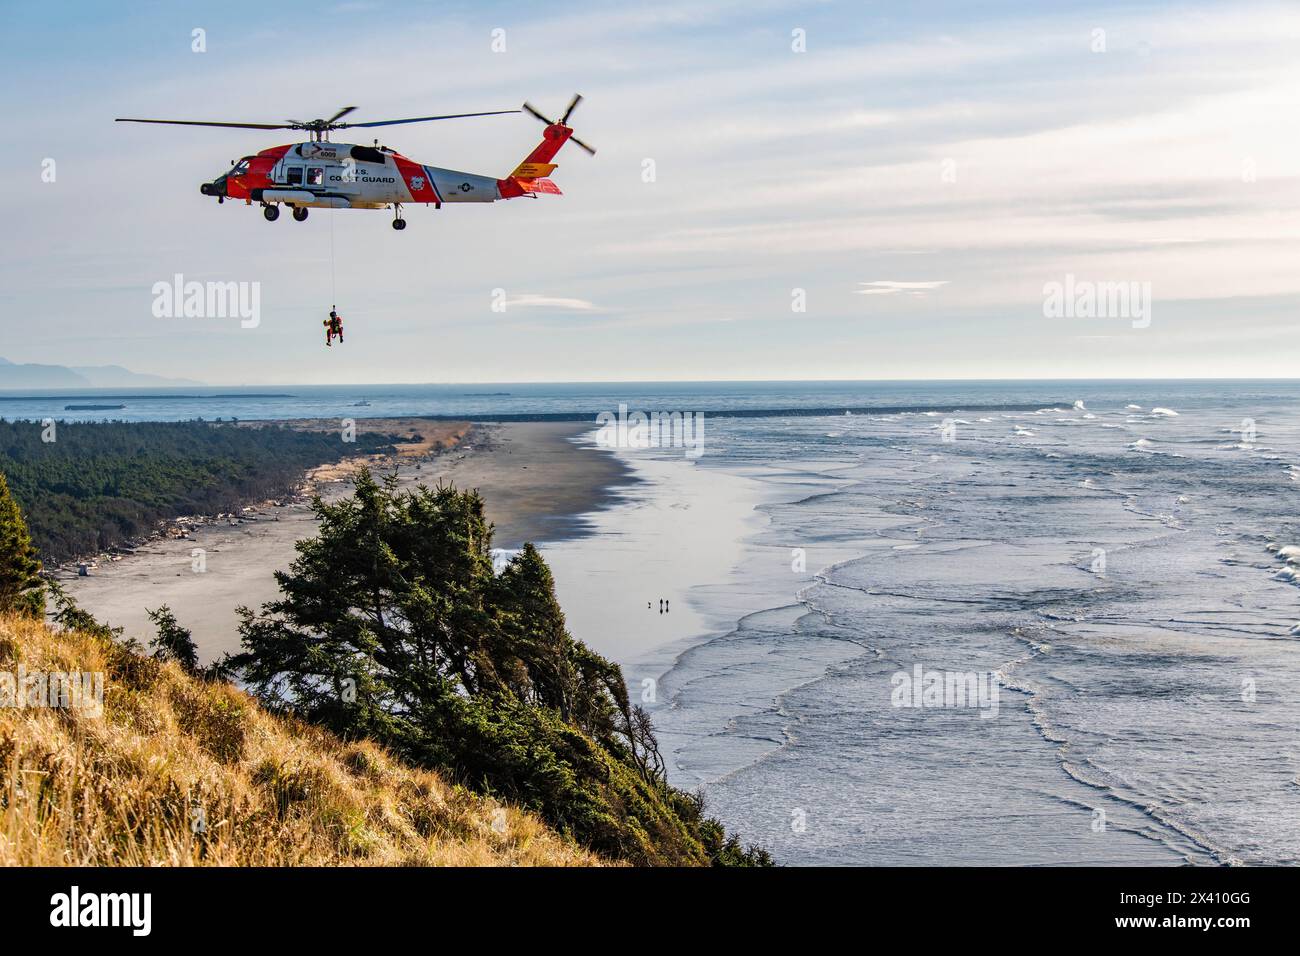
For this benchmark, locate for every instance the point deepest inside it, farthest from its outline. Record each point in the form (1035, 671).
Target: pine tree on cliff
(21, 589)
(392, 625)
(532, 631)
(173, 643)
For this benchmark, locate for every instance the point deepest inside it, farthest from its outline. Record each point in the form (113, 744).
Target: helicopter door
(346, 178)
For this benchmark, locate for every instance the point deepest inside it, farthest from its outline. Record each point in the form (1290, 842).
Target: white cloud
(530, 300)
(893, 287)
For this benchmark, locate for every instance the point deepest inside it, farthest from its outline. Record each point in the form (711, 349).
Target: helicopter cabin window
(293, 175)
(315, 175)
(240, 167)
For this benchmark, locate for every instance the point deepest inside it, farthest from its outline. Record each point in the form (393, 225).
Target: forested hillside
(99, 485)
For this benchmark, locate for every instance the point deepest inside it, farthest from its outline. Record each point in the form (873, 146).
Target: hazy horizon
(10, 392)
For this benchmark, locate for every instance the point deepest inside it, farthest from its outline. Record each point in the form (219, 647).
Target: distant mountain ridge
(31, 375)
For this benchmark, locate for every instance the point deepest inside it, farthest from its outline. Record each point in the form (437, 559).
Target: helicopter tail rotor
(561, 125)
(529, 177)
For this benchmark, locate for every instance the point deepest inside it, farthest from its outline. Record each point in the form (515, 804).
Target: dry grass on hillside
(125, 788)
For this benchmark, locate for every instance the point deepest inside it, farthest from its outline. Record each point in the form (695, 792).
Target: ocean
(505, 401)
(991, 623)
(1111, 578)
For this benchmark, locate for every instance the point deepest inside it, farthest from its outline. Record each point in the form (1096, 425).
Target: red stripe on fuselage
(417, 179)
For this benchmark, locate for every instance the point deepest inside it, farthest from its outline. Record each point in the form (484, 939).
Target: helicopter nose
(215, 188)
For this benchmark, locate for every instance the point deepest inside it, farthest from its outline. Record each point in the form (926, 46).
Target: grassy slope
(122, 788)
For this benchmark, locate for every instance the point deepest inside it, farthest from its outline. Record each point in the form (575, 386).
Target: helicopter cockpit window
(293, 175)
(315, 176)
(241, 167)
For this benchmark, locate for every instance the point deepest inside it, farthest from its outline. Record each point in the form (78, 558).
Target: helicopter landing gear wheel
(300, 213)
(272, 213)
(399, 224)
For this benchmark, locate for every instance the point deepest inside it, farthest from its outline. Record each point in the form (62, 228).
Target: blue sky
(948, 159)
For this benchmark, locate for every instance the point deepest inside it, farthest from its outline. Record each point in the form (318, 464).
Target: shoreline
(539, 480)
(679, 533)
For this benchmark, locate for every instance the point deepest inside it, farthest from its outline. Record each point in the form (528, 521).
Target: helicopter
(320, 174)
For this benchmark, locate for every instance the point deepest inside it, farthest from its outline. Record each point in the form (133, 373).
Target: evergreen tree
(381, 612)
(533, 647)
(103, 484)
(173, 643)
(70, 616)
(392, 625)
(22, 589)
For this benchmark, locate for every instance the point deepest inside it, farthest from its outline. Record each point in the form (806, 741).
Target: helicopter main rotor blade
(202, 123)
(339, 115)
(531, 109)
(421, 119)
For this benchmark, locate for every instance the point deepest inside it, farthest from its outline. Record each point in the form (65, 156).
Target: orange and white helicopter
(324, 175)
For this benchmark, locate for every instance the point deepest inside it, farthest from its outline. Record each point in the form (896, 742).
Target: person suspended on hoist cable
(333, 327)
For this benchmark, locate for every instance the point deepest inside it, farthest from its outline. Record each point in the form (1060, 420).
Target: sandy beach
(536, 481)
